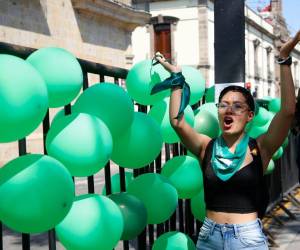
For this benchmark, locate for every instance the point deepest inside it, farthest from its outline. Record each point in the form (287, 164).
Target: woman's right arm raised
(192, 140)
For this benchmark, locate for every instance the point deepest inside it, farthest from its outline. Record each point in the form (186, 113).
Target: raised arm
(281, 123)
(194, 142)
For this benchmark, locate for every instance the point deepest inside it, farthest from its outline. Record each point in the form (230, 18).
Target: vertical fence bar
(46, 126)
(25, 237)
(181, 218)
(189, 220)
(158, 163)
(151, 235)
(90, 179)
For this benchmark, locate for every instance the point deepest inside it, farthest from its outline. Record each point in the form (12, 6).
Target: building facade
(188, 39)
(94, 30)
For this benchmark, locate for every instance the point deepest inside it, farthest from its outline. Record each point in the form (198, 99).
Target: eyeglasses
(236, 108)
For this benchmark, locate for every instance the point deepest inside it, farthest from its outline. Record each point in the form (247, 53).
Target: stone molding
(118, 14)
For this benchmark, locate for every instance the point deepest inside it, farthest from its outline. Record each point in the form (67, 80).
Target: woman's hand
(168, 66)
(287, 47)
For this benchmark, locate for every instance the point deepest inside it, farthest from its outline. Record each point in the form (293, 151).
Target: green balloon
(81, 142)
(140, 80)
(61, 72)
(134, 214)
(174, 241)
(110, 103)
(158, 195)
(270, 168)
(140, 144)
(274, 105)
(211, 108)
(23, 98)
(198, 206)
(160, 113)
(277, 154)
(206, 123)
(210, 94)
(262, 117)
(94, 222)
(285, 143)
(196, 82)
(115, 183)
(36, 193)
(257, 131)
(185, 175)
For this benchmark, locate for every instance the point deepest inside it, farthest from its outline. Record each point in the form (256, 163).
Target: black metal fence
(282, 180)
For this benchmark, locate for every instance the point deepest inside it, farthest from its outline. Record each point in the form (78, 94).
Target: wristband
(284, 61)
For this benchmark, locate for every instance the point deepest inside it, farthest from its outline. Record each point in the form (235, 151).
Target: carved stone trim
(118, 14)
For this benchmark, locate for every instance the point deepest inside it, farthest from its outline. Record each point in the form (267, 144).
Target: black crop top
(242, 193)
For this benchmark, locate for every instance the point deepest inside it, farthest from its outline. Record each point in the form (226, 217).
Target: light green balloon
(262, 117)
(134, 214)
(270, 168)
(140, 80)
(115, 182)
(23, 98)
(94, 222)
(210, 94)
(158, 195)
(274, 105)
(277, 154)
(61, 71)
(196, 82)
(206, 123)
(257, 131)
(160, 113)
(211, 108)
(184, 172)
(110, 103)
(36, 193)
(174, 241)
(81, 142)
(198, 206)
(140, 144)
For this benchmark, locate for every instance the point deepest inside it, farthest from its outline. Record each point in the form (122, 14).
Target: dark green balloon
(61, 71)
(206, 123)
(158, 195)
(198, 206)
(115, 182)
(110, 103)
(174, 241)
(140, 80)
(94, 222)
(36, 193)
(185, 175)
(82, 142)
(257, 131)
(277, 154)
(210, 94)
(160, 113)
(285, 143)
(274, 105)
(140, 144)
(134, 214)
(23, 98)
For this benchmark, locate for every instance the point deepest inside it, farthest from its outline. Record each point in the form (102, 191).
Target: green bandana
(225, 163)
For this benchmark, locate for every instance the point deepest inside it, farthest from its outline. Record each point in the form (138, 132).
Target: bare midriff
(230, 218)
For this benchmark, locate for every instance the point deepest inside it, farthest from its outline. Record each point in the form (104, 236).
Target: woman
(233, 164)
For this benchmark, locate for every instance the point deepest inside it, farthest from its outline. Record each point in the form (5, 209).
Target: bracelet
(284, 61)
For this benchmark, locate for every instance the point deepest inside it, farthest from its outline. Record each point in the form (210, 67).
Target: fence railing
(284, 177)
